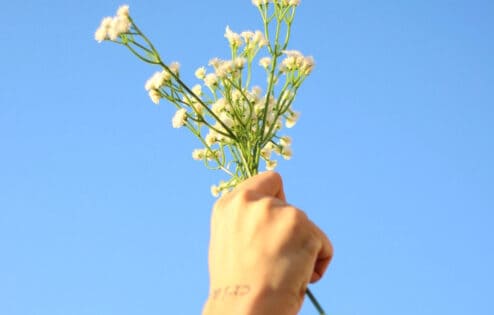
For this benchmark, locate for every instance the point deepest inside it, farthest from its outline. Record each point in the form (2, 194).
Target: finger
(324, 255)
(267, 183)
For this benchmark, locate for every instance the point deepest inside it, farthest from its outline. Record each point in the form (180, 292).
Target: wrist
(243, 300)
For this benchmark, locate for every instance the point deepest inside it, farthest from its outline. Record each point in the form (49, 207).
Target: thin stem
(139, 56)
(287, 35)
(146, 40)
(249, 71)
(246, 165)
(141, 46)
(315, 302)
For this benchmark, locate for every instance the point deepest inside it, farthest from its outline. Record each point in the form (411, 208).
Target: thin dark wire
(314, 301)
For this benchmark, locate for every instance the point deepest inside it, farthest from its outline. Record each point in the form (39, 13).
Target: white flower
(157, 80)
(291, 120)
(197, 90)
(211, 80)
(258, 3)
(239, 62)
(200, 73)
(174, 67)
(259, 39)
(287, 2)
(307, 65)
(236, 96)
(289, 63)
(247, 36)
(271, 165)
(211, 138)
(215, 191)
(192, 101)
(112, 27)
(279, 124)
(285, 141)
(179, 118)
(271, 116)
(100, 35)
(155, 96)
(102, 32)
(292, 53)
(233, 38)
(226, 119)
(259, 108)
(123, 10)
(286, 153)
(154, 82)
(265, 62)
(198, 108)
(118, 26)
(256, 92)
(266, 151)
(215, 62)
(198, 154)
(224, 68)
(218, 106)
(296, 61)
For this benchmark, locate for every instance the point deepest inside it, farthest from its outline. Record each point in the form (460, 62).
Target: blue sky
(102, 210)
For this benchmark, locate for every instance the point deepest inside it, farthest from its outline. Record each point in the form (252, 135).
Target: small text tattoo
(230, 291)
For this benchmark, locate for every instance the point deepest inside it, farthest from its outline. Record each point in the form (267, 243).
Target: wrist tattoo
(230, 291)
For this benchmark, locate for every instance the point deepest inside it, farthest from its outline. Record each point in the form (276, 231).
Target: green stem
(287, 35)
(146, 40)
(249, 71)
(246, 165)
(149, 51)
(139, 56)
(314, 301)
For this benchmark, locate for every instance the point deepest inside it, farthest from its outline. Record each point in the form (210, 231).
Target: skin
(263, 252)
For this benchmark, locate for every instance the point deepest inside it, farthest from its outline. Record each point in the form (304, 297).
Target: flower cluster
(237, 123)
(112, 27)
(158, 80)
(295, 61)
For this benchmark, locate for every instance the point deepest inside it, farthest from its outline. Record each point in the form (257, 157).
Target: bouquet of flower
(237, 123)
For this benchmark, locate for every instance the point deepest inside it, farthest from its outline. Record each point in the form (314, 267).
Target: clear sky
(103, 211)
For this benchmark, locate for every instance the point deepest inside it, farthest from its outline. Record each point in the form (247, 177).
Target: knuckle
(275, 177)
(295, 217)
(234, 200)
(265, 208)
(291, 223)
(268, 203)
(243, 197)
(312, 244)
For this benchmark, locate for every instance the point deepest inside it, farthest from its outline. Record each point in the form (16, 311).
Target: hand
(263, 252)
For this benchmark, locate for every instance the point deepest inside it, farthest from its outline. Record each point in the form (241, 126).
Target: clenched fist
(263, 252)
